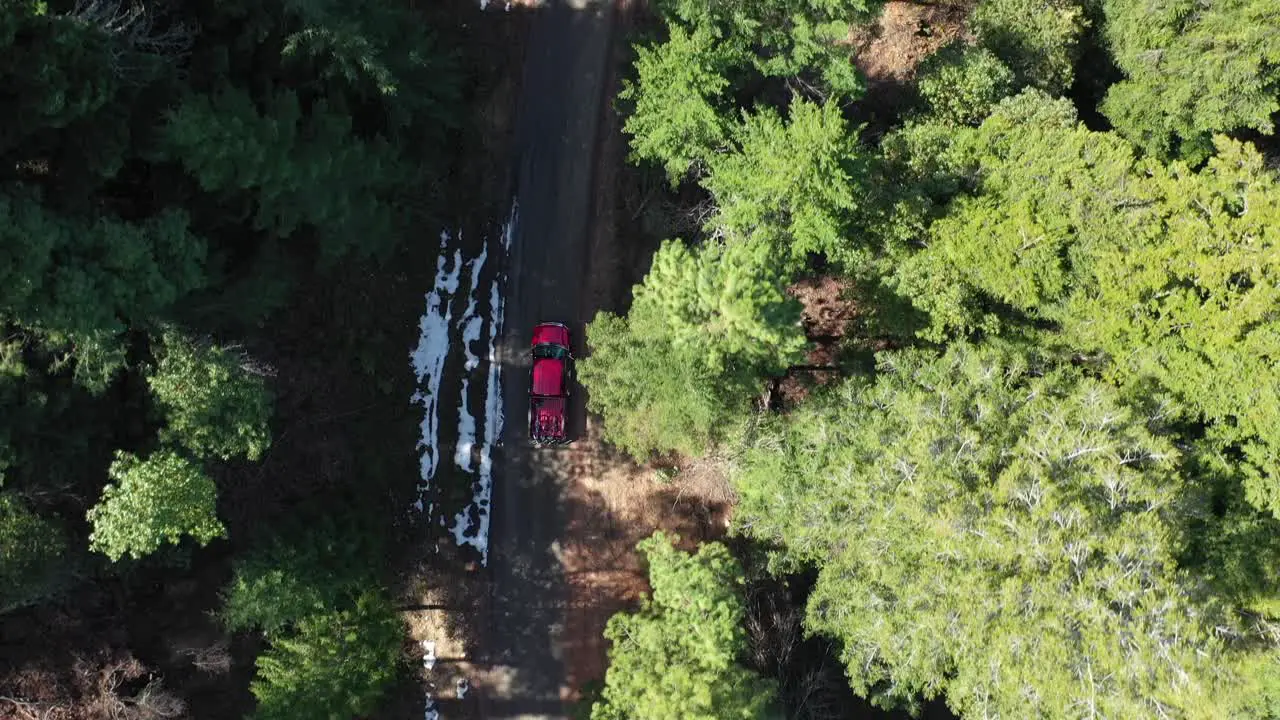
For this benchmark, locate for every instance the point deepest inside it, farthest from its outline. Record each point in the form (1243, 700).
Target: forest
(1045, 480)
(1038, 475)
(193, 195)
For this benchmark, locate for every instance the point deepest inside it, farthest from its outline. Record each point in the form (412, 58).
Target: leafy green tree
(1038, 39)
(801, 41)
(153, 501)
(80, 284)
(654, 398)
(301, 572)
(213, 407)
(679, 117)
(726, 300)
(1005, 533)
(706, 325)
(298, 170)
(796, 180)
(334, 665)
(31, 550)
(1164, 274)
(678, 656)
(1191, 71)
(960, 85)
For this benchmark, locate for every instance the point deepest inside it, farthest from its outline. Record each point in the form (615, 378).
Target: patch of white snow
(428, 361)
(471, 324)
(466, 431)
(463, 531)
(428, 654)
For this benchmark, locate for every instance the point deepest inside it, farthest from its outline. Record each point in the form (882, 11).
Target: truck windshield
(547, 350)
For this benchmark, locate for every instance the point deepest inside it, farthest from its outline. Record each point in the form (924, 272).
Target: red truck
(549, 385)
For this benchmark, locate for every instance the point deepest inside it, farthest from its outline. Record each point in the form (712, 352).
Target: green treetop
(795, 180)
(212, 405)
(335, 665)
(960, 85)
(680, 118)
(152, 501)
(1038, 39)
(1005, 534)
(1165, 275)
(298, 171)
(677, 657)
(79, 284)
(706, 326)
(1192, 70)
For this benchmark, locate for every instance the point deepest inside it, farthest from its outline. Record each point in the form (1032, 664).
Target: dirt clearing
(889, 49)
(615, 503)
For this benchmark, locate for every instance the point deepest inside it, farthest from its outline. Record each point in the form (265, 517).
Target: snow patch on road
(471, 325)
(466, 431)
(471, 526)
(428, 362)
(471, 322)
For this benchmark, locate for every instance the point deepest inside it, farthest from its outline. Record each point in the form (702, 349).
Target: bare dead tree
(31, 709)
(108, 702)
(695, 218)
(101, 684)
(153, 702)
(140, 28)
(114, 17)
(248, 363)
(214, 659)
(816, 696)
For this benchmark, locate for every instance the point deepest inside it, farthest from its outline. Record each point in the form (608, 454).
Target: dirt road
(557, 121)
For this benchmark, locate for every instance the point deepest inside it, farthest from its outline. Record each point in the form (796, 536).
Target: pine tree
(80, 284)
(56, 70)
(374, 53)
(313, 566)
(794, 180)
(960, 85)
(334, 665)
(725, 300)
(679, 117)
(800, 41)
(299, 171)
(1191, 72)
(706, 326)
(212, 405)
(1164, 275)
(654, 398)
(677, 657)
(1005, 533)
(31, 551)
(1038, 39)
